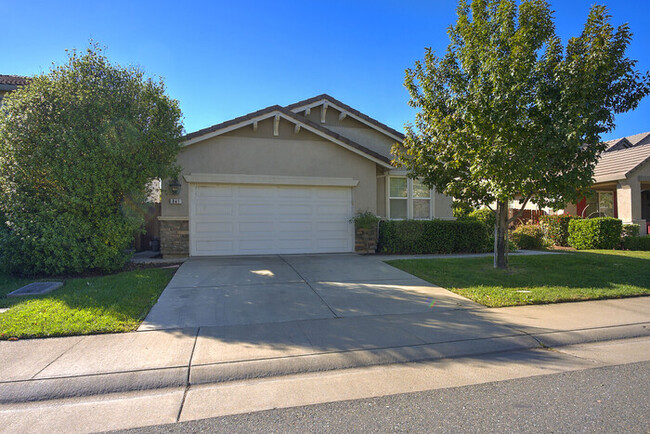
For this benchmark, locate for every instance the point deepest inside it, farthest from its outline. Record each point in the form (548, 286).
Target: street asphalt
(601, 400)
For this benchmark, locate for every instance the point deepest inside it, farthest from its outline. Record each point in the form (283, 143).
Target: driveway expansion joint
(310, 287)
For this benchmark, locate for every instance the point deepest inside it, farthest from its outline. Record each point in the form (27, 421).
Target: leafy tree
(79, 146)
(509, 112)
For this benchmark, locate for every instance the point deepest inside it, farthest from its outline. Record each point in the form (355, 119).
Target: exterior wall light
(175, 186)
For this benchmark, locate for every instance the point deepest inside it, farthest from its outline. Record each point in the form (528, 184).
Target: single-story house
(621, 183)
(10, 83)
(288, 180)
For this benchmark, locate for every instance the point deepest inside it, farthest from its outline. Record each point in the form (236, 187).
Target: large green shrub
(637, 243)
(78, 147)
(596, 233)
(528, 237)
(431, 236)
(556, 228)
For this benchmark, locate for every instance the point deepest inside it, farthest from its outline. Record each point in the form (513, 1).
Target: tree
(509, 112)
(79, 147)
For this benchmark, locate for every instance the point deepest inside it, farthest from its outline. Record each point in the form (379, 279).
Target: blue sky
(223, 59)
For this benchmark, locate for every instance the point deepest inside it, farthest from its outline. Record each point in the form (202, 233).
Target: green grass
(575, 276)
(104, 304)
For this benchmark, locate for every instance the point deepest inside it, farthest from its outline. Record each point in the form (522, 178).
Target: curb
(182, 376)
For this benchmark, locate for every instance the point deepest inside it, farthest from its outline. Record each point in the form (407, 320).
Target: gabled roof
(622, 157)
(276, 110)
(321, 99)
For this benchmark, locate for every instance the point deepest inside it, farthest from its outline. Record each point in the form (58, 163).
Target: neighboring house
(621, 183)
(288, 180)
(9, 83)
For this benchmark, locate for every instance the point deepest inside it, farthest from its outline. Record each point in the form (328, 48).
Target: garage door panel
(293, 227)
(256, 227)
(218, 227)
(214, 209)
(256, 245)
(295, 244)
(287, 209)
(245, 219)
(254, 209)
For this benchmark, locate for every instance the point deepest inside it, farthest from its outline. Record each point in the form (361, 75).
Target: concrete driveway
(228, 291)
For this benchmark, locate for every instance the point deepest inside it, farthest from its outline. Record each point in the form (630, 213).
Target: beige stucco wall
(249, 152)
(628, 195)
(381, 191)
(443, 208)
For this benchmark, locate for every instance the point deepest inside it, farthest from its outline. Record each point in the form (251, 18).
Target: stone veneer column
(174, 238)
(365, 240)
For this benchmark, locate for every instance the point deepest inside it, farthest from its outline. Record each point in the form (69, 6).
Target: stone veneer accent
(365, 240)
(174, 238)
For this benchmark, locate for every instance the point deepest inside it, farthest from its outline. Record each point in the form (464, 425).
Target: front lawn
(87, 305)
(575, 276)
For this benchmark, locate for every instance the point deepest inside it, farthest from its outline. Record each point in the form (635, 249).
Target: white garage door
(254, 219)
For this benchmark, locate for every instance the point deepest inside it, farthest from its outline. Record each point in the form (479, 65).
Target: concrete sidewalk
(91, 365)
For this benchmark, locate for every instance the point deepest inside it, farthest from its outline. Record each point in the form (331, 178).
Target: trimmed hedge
(528, 237)
(637, 243)
(630, 230)
(431, 236)
(556, 228)
(596, 233)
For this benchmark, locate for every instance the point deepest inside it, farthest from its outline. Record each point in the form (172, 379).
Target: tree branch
(518, 213)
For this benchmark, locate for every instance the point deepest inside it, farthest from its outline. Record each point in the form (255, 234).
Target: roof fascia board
(218, 178)
(350, 114)
(231, 127)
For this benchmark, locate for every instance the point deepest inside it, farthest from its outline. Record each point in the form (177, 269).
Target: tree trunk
(501, 236)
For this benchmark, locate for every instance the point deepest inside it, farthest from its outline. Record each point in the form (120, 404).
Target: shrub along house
(288, 180)
(621, 183)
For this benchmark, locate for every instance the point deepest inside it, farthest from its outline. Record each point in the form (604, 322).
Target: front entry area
(232, 219)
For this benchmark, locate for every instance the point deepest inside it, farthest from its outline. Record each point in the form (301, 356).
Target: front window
(398, 199)
(408, 199)
(606, 203)
(600, 204)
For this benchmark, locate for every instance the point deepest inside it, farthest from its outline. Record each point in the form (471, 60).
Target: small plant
(365, 220)
(528, 237)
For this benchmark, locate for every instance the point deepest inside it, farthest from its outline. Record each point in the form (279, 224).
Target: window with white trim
(408, 199)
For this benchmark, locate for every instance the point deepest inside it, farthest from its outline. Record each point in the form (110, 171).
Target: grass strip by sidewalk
(576, 276)
(87, 305)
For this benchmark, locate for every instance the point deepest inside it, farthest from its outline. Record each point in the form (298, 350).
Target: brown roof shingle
(623, 156)
(13, 80)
